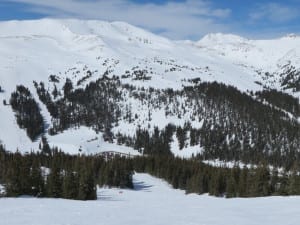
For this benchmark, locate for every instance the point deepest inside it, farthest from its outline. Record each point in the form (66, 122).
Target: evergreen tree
(261, 185)
(68, 87)
(294, 181)
(25, 175)
(14, 185)
(70, 185)
(37, 180)
(243, 183)
(231, 186)
(87, 188)
(55, 180)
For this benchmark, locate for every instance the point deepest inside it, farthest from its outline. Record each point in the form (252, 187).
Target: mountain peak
(219, 38)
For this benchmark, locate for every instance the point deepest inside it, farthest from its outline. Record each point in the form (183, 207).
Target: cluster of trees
(231, 127)
(291, 79)
(27, 112)
(87, 76)
(281, 100)
(60, 175)
(94, 106)
(235, 126)
(195, 177)
(156, 143)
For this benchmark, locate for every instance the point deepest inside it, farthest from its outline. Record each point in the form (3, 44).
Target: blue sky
(175, 19)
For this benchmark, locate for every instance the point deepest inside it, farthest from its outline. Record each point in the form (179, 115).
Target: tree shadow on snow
(142, 186)
(110, 198)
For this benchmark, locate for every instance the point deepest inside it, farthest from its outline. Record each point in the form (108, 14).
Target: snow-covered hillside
(85, 50)
(164, 205)
(266, 55)
(268, 58)
(32, 50)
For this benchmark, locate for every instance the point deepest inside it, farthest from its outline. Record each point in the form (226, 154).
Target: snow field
(153, 202)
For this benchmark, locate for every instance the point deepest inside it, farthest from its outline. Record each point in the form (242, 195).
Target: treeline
(281, 100)
(290, 79)
(59, 175)
(27, 112)
(94, 106)
(230, 125)
(195, 177)
(232, 129)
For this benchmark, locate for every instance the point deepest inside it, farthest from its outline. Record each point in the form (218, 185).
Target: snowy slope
(260, 56)
(46, 46)
(164, 205)
(34, 50)
(88, 141)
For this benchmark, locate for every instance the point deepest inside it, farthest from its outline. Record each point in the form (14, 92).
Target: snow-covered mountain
(47, 49)
(47, 46)
(270, 59)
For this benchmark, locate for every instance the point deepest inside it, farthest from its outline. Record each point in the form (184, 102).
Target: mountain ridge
(118, 38)
(137, 63)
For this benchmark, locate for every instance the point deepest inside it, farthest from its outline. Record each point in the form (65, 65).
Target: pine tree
(54, 180)
(25, 175)
(87, 188)
(274, 184)
(14, 184)
(294, 181)
(217, 184)
(261, 181)
(231, 186)
(37, 180)
(283, 184)
(70, 185)
(68, 87)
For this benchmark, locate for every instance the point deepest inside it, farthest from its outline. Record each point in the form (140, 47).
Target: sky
(175, 19)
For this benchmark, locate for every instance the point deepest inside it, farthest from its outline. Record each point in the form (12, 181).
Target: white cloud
(274, 12)
(177, 20)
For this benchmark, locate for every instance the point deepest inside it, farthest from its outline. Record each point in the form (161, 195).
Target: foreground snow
(152, 202)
